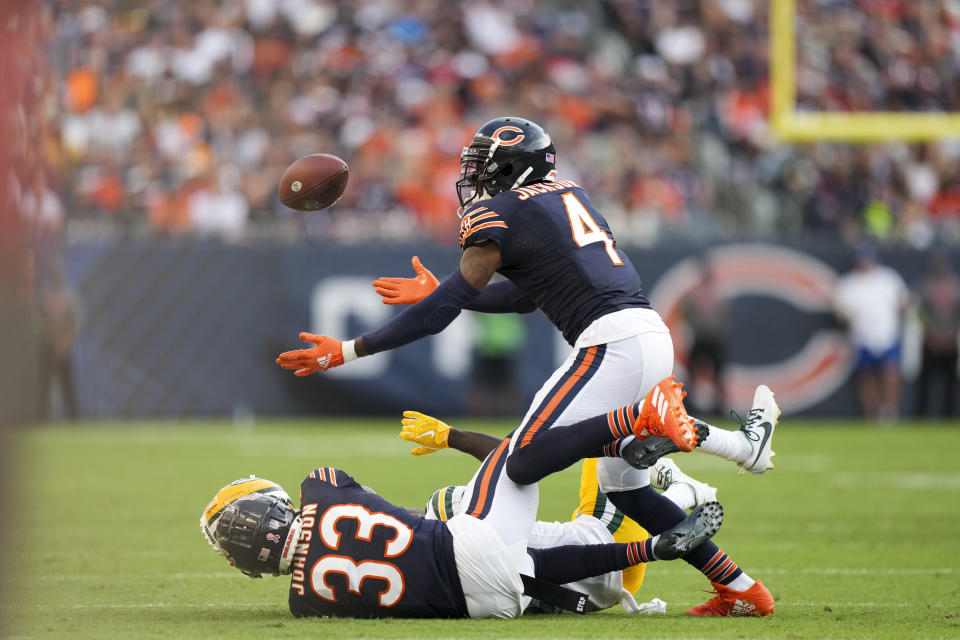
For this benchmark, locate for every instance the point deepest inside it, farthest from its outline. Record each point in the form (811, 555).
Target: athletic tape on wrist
(349, 350)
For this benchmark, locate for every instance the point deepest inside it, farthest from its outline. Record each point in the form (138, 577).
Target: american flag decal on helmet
(549, 157)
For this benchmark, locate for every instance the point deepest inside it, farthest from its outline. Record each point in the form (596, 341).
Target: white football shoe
(758, 430)
(666, 472)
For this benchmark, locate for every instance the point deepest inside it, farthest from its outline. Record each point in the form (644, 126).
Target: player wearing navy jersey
(557, 250)
(351, 553)
(382, 555)
(557, 253)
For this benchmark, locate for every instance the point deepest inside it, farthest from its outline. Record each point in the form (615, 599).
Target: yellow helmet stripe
(231, 493)
(441, 504)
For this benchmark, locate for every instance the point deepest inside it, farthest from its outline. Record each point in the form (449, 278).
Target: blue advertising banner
(182, 329)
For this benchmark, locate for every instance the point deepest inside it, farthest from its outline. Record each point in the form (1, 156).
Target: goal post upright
(854, 126)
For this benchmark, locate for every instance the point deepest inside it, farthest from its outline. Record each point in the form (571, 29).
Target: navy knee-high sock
(570, 563)
(648, 508)
(557, 448)
(656, 514)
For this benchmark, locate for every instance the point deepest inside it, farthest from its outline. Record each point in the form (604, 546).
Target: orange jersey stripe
(555, 400)
(484, 226)
(485, 480)
(484, 216)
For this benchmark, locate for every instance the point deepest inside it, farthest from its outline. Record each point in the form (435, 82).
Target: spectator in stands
(871, 301)
(939, 303)
(219, 209)
(154, 95)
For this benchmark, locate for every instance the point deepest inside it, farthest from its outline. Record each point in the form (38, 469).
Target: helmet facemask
(231, 493)
(258, 534)
(475, 171)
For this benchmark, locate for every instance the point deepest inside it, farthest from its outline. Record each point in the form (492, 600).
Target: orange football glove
(327, 354)
(407, 290)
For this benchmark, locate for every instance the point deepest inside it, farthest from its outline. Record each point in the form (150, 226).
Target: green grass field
(855, 533)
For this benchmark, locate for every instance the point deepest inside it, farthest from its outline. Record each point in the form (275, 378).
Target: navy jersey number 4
(360, 556)
(558, 250)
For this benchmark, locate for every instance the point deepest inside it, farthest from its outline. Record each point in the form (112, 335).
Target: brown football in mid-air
(313, 182)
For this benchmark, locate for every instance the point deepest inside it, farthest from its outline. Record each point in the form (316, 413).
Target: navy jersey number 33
(361, 556)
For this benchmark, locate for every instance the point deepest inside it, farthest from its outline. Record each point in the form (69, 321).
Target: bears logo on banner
(800, 379)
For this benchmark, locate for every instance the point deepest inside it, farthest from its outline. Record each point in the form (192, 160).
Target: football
(313, 182)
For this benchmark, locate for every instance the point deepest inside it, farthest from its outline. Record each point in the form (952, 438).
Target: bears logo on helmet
(509, 141)
(504, 153)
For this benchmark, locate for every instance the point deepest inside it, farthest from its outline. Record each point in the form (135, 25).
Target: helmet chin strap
(523, 176)
(290, 546)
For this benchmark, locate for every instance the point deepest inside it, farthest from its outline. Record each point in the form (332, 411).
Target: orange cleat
(664, 415)
(755, 601)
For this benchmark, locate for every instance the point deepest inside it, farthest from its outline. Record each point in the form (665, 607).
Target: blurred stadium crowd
(176, 118)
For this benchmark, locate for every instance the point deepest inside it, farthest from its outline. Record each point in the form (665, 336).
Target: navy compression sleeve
(429, 316)
(502, 297)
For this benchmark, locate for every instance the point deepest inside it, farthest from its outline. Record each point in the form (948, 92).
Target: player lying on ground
(594, 520)
(352, 553)
(557, 253)
(603, 591)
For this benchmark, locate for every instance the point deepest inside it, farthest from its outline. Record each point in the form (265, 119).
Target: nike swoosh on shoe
(767, 430)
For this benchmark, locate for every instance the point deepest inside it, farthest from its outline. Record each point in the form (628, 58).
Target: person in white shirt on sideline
(871, 301)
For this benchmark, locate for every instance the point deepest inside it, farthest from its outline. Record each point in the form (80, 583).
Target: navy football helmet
(504, 154)
(258, 534)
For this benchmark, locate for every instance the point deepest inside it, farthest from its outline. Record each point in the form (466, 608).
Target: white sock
(742, 582)
(682, 495)
(729, 445)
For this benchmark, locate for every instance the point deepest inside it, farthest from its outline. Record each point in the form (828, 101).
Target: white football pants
(592, 381)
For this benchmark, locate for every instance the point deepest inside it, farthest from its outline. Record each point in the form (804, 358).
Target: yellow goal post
(850, 126)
